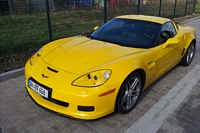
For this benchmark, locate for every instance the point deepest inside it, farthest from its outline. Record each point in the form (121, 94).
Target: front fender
(189, 36)
(124, 67)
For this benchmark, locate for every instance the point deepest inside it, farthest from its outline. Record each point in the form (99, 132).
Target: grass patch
(22, 32)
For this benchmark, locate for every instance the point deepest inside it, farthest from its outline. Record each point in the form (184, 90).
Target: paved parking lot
(18, 112)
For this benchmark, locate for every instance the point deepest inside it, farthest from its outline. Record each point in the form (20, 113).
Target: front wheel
(129, 93)
(189, 55)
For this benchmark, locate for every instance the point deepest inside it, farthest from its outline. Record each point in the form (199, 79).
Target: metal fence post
(160, 8)
(105, 11)
(186, 7)
(194, 6)
(48, 20)
(138, 8)
(174, 9)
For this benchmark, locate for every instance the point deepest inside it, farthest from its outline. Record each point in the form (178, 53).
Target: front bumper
(69, 100)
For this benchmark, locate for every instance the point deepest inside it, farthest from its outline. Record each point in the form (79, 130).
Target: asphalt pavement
(170, 105)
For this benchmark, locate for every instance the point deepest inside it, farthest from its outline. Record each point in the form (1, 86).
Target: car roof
(155, 19)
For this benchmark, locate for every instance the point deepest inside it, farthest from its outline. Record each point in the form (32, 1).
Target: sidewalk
(186, 118)
(177, 111)
(170, 105)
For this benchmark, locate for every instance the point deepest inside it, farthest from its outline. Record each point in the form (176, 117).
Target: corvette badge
(44, 76)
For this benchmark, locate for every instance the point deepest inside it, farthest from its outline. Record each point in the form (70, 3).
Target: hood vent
(53, 70)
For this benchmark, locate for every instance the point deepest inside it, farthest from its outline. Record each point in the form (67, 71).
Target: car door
(167, 55)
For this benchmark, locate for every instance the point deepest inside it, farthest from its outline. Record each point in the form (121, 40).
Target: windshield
(127, 32)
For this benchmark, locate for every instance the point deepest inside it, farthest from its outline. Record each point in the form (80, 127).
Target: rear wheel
(129, 93)
(189, 55)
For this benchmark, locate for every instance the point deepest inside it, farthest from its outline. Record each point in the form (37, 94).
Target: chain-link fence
(29, 24)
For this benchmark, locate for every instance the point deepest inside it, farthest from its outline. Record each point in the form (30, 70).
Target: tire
(189, 55)
(129, 93)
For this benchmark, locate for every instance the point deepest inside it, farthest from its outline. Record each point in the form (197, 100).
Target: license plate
(40, 90)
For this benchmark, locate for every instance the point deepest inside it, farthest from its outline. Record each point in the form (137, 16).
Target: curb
(186, 21)
(11, 74)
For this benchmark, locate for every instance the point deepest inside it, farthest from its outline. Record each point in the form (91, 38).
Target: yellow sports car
(88, 77)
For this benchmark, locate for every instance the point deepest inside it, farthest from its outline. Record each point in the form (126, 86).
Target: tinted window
(167, 32)
(127, 32)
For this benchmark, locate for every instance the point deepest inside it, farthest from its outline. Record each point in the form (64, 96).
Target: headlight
(93, 79)
(36, 56)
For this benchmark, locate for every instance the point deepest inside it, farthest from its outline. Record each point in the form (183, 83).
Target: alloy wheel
(190, 53)
(131, 93)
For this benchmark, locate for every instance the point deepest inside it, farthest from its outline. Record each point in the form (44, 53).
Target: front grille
(61, 103)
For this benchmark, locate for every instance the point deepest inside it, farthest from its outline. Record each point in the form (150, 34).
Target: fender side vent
(183, 51)
(53, 70)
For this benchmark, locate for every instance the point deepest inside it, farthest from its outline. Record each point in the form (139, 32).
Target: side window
(167, 32)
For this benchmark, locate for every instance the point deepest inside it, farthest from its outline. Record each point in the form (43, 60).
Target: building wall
(39, 5)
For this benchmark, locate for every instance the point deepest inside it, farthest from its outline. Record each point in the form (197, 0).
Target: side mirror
(171, 41)
(96, 27)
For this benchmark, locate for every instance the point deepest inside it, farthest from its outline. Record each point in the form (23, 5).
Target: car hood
(82, 54)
